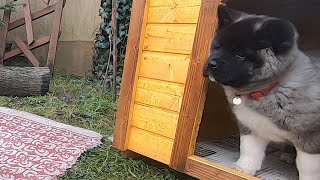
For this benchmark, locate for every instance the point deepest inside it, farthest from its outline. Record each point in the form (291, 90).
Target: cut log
(26, 81)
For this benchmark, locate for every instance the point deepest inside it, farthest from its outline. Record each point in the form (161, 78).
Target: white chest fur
(260, 124)
(256, 122)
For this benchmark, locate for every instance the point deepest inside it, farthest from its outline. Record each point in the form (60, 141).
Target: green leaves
(10, 6)
(103, 48)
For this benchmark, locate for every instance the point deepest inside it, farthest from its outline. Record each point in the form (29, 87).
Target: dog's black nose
(213, 65)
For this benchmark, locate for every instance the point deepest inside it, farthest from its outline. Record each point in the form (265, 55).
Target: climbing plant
(9, 6)
(102, 60)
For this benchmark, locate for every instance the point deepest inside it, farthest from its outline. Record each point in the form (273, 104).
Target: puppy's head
(236, 57)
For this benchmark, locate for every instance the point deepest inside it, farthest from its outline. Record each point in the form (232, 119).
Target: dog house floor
(226, 151)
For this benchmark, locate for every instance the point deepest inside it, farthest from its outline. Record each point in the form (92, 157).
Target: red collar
(259, 94)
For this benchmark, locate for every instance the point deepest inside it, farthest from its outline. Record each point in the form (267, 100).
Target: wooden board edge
(55, 35)
(25, 49)
(3, 34)
(203, 169)
(196, 125)
(28, 21)
(138, 23)
(131, 154)
(195, 84)
(36, 15)
(46, 2)
(36, 44)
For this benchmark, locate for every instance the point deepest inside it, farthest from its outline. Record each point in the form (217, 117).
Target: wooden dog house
(164, 111)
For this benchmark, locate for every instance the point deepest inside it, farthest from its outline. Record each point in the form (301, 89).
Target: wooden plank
(3, 34)
(133, 52)
(161, 86)
(54, 35)
(46, 1)
(196, 126)
(35, 16)
(28, 21)
(174, 14)
(180, 3)
(155, 120)
(25, 49)
(158, 99)
(114, 25)
(195, 90)
(172, 38)
(131, 154)
(164, 66)
(150, 145)
(37, 43)
(203, 169)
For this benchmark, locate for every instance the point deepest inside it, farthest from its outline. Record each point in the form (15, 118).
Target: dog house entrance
(226, 152)
(218, 137)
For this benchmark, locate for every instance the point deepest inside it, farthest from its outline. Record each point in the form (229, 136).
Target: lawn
(84, 103)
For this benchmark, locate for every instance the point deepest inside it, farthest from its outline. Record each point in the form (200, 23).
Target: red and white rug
(33, 147)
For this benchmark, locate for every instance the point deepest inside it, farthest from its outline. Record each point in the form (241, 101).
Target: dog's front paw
(247, 166)
(246, 170)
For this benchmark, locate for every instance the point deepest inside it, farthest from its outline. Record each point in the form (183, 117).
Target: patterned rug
(33, 147)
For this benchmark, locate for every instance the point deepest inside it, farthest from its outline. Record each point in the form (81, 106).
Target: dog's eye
(240, 54)
(217, 46)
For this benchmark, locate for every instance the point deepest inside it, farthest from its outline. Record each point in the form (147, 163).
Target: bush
(102, 60)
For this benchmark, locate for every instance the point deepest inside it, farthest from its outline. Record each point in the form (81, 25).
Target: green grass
(83, 103)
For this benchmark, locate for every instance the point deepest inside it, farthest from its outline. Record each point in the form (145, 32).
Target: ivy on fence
(9, 6)
(102, 60)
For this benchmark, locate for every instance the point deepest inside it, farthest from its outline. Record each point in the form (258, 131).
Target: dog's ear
(227, 16)
(278, 34)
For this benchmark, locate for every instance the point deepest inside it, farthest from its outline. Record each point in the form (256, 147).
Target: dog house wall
(165, 41)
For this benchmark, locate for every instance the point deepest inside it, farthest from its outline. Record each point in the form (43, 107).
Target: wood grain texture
(192, 102)
(129, 78)
(161, 86)
(203, 169)
(3, 34)
(25, 49)
(164, 66)
(155, 120)
(55, 34)
(158, 99)
(173, 14)
(172, 38)
(172, 3)
(198, 121)
(150, 145)
(28, 21)
(36, 15)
